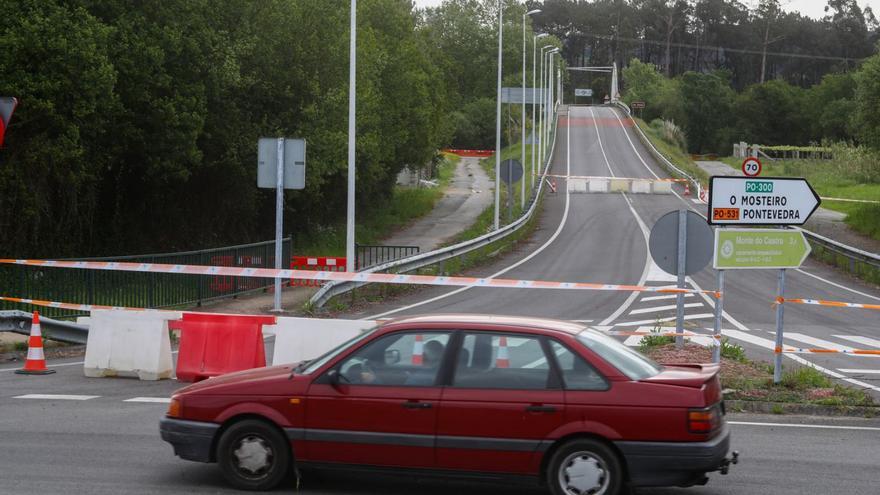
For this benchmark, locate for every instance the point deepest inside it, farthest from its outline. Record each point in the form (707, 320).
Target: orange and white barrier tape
(600, 177)
(833, 304)
(387, 278)
(851, 352)
(70, 306)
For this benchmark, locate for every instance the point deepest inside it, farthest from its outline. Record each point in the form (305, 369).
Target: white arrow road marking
(56, 397)
(657, 309)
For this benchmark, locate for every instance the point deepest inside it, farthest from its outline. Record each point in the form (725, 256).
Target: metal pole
(498, 118)
(540, 133)
(522, 198)
(279, 218)
(352, 65)
(534, 136)
(682, 262)
(719, 311)
(780, 310)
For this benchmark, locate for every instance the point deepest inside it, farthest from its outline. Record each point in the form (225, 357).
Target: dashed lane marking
(155, 400)
(56, 397)
(858, 372)
(657, 309)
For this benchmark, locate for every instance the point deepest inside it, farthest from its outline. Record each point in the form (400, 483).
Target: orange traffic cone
(502, 360)
(687, 189)
(418, 351)
(36, 361)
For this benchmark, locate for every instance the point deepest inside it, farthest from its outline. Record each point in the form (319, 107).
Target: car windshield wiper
(299, 367)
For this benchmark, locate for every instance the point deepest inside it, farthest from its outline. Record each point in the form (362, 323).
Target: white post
(352, 63)
(534, 94)
(279, 218)
(498, 118)
(522, 198)
(540, 133)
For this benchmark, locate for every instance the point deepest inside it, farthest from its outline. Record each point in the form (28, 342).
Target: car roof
(464, 321)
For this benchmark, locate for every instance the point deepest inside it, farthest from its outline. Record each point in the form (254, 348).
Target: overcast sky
(810, 8)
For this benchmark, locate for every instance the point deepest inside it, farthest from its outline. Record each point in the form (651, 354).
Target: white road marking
(751, 339)
(48, 366)
(156, 400)
(861, 372)
(801, 270)
(794, 425)
(865, 341)
(518, 263)
(657, 309)
(635, 340)
(57, 397)
(656, 274)
(583, 321)
(813, 341)
(671, 318)
(661, 298)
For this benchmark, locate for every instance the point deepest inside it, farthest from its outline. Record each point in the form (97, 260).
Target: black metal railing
(368, 256)
(142, 290)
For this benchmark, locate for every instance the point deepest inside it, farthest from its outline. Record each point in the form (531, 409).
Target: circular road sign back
(663, 243)
(511, 171)
(751, 166)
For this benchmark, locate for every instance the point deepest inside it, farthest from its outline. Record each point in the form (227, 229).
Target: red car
(485, 396)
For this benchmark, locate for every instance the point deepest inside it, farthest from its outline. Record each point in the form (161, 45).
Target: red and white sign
(751, 166)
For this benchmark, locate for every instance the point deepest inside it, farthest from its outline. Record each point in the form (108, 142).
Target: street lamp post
(498, 118)
(522, 199)
(550, 94)
(352, 62)
(543, 123)
(535, 139)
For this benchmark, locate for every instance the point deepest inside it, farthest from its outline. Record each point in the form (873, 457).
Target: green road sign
(759, 248)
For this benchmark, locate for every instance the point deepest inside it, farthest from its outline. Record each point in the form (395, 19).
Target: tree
(708, 108)
(866, 119)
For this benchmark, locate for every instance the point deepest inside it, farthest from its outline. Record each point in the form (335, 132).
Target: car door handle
(416, 405)
(541, 409)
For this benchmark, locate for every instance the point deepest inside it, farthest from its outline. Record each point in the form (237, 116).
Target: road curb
(765, 407)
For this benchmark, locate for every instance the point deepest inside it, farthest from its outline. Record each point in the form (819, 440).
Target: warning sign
(764, 201)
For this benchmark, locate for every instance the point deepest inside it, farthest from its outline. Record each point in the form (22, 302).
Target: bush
(733, 352)
(671, 133)
(805, 378)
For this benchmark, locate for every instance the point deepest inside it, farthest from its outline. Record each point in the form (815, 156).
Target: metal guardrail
(63, 331)
(330, 290)
(854, 256)
(366, 256)
(142, 290)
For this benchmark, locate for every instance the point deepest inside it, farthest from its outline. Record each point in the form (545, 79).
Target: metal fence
(142, 290)
(861, 264)
(367, 256)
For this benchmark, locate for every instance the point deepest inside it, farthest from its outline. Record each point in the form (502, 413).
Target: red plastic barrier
(215, 344)
(473, 153)
(319, 263)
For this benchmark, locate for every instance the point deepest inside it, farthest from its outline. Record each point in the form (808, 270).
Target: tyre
(584, 467)
(253, 455)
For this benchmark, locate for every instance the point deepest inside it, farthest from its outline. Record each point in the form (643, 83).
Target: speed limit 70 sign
(751, 167)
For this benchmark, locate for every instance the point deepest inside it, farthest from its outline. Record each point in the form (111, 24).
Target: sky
(809, 8)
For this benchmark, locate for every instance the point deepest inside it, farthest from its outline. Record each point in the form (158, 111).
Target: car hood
(249, 382)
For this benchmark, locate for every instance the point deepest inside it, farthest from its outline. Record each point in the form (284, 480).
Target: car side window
(502, 362)
(400, 359)
(577, 373)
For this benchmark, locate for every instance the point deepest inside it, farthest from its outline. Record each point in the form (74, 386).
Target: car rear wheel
(584, 467)
(253, 455)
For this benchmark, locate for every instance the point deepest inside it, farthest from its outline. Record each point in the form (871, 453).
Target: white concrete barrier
(598, 185)
(577, 185)
(126, 343)
(641, 186)
(297, 339)
(620, 185)
(662, 187)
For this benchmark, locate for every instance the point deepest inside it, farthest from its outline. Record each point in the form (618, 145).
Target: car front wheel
(584, 467)
(253, 455)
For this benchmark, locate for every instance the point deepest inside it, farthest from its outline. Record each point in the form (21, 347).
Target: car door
(502, 401)
(382, 408)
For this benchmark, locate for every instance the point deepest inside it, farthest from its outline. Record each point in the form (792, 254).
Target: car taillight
(704, 421)
(174, 408)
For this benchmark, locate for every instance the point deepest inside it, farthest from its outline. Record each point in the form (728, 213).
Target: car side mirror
(333, 377)
(392, 356)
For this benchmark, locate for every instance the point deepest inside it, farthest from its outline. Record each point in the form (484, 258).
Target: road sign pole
(719, 311)
(279, 219)
(780, 309)
(682, 262)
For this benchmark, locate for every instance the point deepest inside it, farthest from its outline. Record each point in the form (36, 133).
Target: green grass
(673, 153)
(513, 152)
(734, 352)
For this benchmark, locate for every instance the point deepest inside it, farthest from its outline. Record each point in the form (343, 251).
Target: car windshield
(628, 361)
(317, 363)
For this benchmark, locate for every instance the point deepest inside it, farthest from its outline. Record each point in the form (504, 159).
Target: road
(104, 445)
(603, 238)
(88, 436)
